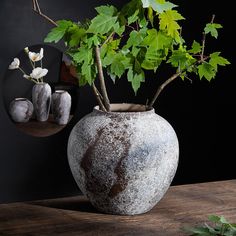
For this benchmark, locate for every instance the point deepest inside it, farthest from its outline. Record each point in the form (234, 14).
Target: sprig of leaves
(218, 226)
(141, 36)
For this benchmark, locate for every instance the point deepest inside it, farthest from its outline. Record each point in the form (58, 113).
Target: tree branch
(98, 97)
(101, 79)
(37, 10)
(161, 87)
(204, 39)
(108, 38)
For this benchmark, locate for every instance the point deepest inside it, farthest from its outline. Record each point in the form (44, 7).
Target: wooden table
(185, 205)
(41, 129)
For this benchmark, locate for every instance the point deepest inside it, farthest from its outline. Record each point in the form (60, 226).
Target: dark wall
(202, 113)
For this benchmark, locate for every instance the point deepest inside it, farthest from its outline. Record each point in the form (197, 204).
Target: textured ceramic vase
(21, 110)
(123, 161)
(41, 98)
(61, 105)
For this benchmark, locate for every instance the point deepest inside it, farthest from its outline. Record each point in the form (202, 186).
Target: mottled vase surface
(61, 105)
(124, 162)
(21, 110)
(41, 98)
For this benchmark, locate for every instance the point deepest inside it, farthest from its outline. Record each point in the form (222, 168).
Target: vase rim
(127, 108)
(20, 99)
(60, 91)
(40, 83)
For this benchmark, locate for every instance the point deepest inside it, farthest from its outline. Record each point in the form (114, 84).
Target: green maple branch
(204, 39)
(171, 79)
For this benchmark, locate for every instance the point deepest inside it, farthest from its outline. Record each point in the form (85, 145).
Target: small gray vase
(21, 110)
(124, 160)
(61, 105)
(41, 98)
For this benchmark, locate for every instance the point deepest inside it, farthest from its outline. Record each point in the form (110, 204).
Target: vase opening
(127, 108)
(60, 91)
(20, 99)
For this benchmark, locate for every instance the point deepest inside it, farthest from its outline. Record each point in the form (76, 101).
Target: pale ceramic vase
(41, 98)
(124, 161)
(21, 110)
(61, 105)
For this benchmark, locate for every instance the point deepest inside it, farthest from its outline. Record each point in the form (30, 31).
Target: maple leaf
(212, 29)
(168, 22)
(158, 5)
(207, 71)
(102, 24)
(57, 33)
(216, 60)
(196, 48)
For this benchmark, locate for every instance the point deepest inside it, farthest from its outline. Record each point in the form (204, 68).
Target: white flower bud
(15, 64)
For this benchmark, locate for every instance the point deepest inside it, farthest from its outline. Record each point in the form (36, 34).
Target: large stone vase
(41, 98)
(124, 161)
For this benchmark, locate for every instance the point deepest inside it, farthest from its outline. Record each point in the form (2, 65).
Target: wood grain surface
(41, 129)
(185, 205)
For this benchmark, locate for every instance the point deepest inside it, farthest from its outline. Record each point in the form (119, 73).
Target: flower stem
(22, 70)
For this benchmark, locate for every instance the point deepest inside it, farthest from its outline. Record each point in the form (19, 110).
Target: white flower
(15, 64)
(38, 73)
(36, 56)
(26, 50)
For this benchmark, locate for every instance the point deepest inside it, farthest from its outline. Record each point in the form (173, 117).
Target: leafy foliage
(220, 227)
(212, 29)
(141, 36)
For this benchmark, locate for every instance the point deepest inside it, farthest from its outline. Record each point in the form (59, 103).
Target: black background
(202, 113)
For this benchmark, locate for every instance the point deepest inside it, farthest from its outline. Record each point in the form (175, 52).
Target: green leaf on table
(106, 10)
(57, 33)
(207, 71)
(158, 5)
(219, 227)
(212, 29)
(216, 60)
(168, 22)
(196, 48)
(102, 24)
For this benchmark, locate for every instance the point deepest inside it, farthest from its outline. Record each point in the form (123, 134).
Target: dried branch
(36, 9)
(101, 79)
